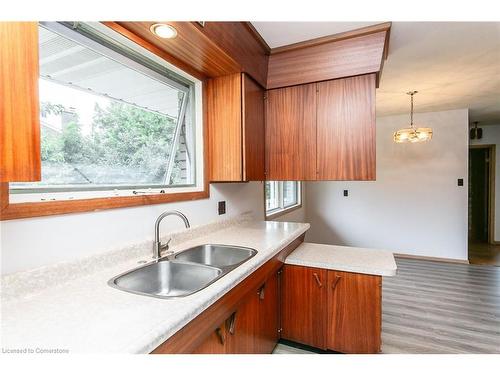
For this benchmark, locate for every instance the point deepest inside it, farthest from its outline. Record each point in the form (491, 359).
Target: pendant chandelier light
(412, 134)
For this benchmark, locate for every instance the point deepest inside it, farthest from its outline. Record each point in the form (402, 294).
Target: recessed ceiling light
(163, 30)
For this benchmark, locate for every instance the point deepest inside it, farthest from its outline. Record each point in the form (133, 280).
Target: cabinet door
(215, 343)
(291, 133)
(304, 302)
(346, 129)
(243, 327)
(268, 316)
(253, 131)
(224, 118)
(19, 108)
(354, 312)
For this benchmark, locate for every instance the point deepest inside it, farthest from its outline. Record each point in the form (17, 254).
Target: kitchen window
(115, 119)
(282, 197)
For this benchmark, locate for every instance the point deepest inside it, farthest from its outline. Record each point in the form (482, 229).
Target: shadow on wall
(323, 231)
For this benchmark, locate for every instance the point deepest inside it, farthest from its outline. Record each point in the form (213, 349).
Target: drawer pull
(221, 336)
(262, 292)
(318, 281)
(337, 279)
(232, 323)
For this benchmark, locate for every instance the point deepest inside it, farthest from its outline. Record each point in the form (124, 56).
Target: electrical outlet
(346, 193)
(222, 207)
(460, 182)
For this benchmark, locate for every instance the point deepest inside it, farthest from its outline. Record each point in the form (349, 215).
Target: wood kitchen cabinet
(322, 131)
(243, 328)
(346, 129)
(339, 311)
(235, 117)
(354, 312)
(215, 343)
(269, 307)
(252, 328)
(20, 158)
(303, 305)
(291, 133)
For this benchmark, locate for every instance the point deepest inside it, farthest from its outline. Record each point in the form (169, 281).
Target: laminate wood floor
(436, 307)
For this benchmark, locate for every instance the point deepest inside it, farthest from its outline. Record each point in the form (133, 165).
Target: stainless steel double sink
(184, 273)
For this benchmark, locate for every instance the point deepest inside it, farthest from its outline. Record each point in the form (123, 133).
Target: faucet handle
(168, 243)
(165, 246)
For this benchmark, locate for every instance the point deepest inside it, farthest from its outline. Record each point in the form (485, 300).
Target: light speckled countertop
(344, 258)
(84, 314)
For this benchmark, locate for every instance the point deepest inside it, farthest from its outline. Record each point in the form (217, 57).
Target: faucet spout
(158, 247)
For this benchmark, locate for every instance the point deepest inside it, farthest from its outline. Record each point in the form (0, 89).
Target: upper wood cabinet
(346, 129)
(19, 107)
(322, 131)
(291, 133)
(235, 116)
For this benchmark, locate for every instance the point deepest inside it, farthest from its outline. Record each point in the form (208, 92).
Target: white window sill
(280, 212)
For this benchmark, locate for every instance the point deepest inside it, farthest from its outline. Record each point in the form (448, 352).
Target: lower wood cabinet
(215, 343)
(303, 305)
(252, 328)
(354, 312)
(334, 310)
(269, 307)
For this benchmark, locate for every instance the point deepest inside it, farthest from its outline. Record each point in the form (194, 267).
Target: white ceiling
(451, 64)
(278, 34)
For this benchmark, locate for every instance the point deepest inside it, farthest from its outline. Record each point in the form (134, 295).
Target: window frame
(282, 210)
(9, 210)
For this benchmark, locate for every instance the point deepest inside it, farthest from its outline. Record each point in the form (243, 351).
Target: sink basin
(166, 279)
(216, 255)
(190, 271)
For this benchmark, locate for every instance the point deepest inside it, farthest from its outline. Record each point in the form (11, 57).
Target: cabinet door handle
(262, 292)
(318, 281)
(337, 279)
(221, 336)
(232, 324)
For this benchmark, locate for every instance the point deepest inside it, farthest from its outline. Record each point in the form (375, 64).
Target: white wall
(30, 243)
(491, 136)
(415, 206)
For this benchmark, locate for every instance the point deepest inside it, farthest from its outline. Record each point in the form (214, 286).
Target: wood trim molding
(258, 37)
(154, 49)
(216, 49)
(36, 209)
(433, 259)
(386, 26)
(344, 58)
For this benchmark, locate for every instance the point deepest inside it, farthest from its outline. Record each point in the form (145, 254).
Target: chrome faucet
(158, 247)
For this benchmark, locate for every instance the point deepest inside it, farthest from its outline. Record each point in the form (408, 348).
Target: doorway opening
(482, 246)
